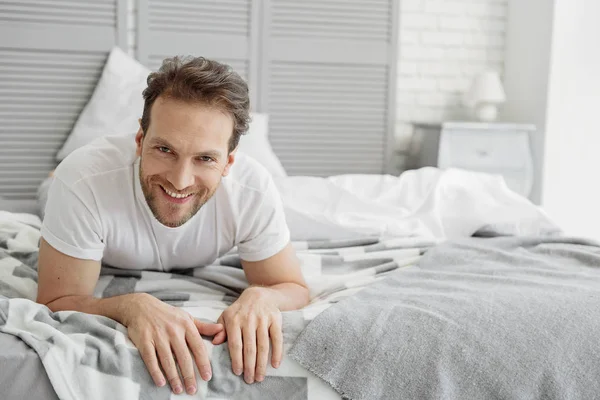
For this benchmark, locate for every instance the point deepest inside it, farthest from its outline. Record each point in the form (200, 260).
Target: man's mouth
(176, 197)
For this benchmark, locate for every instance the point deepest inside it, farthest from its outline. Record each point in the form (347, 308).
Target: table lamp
(485, 95)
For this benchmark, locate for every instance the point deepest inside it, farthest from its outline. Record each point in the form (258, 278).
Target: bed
(367, 231)
(503, 306)
(430, 284)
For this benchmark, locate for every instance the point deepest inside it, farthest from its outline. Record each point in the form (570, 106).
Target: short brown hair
(197, 79)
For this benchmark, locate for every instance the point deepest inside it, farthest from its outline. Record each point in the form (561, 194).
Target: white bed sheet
(426, 203)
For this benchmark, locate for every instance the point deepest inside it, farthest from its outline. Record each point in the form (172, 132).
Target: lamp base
(486, 112)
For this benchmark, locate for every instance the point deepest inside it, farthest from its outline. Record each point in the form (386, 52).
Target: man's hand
(158, 328)
(277, 285)
(249, 322)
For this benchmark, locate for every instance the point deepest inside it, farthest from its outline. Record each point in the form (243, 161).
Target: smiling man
(175, 196)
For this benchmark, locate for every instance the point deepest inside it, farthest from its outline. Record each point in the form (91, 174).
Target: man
(177, 196)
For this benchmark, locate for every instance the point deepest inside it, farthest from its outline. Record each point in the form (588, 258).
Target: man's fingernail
(276, 364)
(259, 378)
(238, 371)
(161, 382)
(191, 389)
(177, 389)
(206, 374)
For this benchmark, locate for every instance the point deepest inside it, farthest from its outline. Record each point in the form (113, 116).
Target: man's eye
(205, 159)
(164, 149)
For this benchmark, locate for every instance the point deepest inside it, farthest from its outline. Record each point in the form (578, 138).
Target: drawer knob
(483, 153)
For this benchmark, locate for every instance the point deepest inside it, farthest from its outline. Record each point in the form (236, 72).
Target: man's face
(184, 154)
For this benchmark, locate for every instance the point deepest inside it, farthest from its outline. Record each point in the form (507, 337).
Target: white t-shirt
(96, 210)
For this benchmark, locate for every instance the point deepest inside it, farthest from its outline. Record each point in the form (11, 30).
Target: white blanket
(427, 203)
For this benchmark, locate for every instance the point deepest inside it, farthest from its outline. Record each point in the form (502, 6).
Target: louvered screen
(328, 73)
(223, 30)
(59, 12)
(51, 56)
(41, 95)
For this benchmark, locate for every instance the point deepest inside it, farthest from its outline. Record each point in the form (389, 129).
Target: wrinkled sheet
(426, 203)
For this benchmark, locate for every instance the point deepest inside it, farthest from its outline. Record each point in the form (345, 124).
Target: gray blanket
(503, 318)
(91, 357)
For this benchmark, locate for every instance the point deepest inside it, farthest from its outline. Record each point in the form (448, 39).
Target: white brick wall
(443, 44)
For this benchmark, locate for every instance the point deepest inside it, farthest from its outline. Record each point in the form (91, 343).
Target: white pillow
(255, 143)
(117, 104)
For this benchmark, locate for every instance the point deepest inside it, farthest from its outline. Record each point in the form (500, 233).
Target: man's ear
(139, 139)
(230, 161)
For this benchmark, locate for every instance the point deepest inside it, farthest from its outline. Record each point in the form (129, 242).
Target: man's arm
(67, 283)
(283, 276)
(277, 285)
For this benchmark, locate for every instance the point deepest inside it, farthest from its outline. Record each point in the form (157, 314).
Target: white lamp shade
(486, 89)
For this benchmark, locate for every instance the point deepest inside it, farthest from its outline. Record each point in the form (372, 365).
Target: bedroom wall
(526, 73)
(443, 44)
(570, 192)
(551, 75)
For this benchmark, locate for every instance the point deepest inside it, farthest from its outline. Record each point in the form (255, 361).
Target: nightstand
(496, 148)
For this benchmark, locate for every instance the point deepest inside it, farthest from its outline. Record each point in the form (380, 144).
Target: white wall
(526, 73)
(552, 79)
(443, 44)
(571, 183)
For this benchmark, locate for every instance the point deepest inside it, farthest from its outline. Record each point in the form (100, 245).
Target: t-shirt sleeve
(71, 224)
(264, 231)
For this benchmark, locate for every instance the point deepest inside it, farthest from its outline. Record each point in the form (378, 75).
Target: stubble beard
(201, 196)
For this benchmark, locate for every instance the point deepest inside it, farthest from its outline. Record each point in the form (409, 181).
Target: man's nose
(181, 176)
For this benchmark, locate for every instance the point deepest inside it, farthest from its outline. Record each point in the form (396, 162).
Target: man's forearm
(112, 307)
(287, 296)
